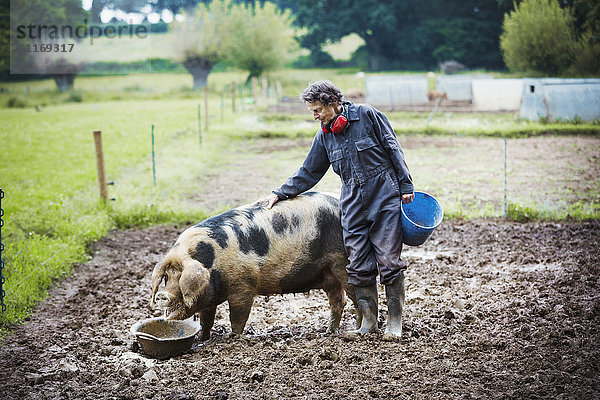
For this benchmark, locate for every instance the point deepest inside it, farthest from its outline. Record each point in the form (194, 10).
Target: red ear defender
(337, 125)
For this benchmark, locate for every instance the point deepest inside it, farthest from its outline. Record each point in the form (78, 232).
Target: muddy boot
(395, 302)
(366, 297)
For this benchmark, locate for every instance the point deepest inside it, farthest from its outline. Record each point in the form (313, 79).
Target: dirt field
(494, 310)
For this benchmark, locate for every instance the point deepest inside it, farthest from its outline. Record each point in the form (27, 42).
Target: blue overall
(374, 174)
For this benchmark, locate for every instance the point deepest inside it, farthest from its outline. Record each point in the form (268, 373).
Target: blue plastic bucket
(420, 218)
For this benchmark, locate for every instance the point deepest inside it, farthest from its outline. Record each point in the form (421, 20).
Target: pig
(354, 94)
(434, 95)
(248, 251)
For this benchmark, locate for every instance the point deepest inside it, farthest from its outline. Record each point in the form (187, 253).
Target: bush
(587, 56)
(15, 102)
(75, 97)
(538, 36)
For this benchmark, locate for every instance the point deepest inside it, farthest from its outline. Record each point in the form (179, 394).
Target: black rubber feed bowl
(161, 338)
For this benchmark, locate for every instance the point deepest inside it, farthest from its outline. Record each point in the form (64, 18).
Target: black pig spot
(307, 274)
(217, 286)
(329, 238)
(302, 278)
(250, 212)
(295, 222)
(205, 254)
(255, 240)
(280, 223)
(219, 235)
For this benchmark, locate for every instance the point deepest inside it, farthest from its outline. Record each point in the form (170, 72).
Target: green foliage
(75, 96)
(141, 216)
(538, 36)
(587, 56)
(413, 34)
(15, 102)
(262, 40)
(36, 13)
(316, 59)
(203, 38)
(154, 65)
(520, 213)
(205, 32)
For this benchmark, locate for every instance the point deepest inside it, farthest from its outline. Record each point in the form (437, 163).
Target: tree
(263, 39)
(39, 13)
(202, 39)
(538, 36)
(408, 34)
(587, 23)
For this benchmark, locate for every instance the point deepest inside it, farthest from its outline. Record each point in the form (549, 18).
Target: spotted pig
(248, 251)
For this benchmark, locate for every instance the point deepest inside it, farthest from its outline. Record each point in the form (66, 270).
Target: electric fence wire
(2, 280)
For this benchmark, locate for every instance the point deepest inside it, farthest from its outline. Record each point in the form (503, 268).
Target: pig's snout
(162, 299)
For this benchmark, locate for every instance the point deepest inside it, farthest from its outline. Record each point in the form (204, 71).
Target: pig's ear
(193, 281)
(157, 276)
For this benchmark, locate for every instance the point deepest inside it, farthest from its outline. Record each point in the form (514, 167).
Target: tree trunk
(64, 81)
(199, 68)
(377, 57)
(97, 8)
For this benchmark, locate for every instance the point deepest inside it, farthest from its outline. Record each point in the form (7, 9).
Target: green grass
(48, 167)
(164, 86)
(48, 174)
(485, 124)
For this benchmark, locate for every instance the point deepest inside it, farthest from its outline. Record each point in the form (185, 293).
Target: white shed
(561, 99)
(392, 90)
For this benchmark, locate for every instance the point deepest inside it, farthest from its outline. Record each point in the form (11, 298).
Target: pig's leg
(350, 292)
(239, 310)
(335, 294)
(207, 320)
(339, 271)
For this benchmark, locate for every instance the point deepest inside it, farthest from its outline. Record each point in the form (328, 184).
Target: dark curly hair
(324, 91)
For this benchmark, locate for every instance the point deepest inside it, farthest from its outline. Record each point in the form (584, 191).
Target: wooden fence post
(233, 96)
(205, 91)
(100, 165)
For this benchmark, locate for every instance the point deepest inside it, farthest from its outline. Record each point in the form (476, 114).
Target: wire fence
(2, 292)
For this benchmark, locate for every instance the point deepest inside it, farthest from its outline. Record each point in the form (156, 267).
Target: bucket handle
(145, 336)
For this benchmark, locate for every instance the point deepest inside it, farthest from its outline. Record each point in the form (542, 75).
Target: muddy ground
(494, 310)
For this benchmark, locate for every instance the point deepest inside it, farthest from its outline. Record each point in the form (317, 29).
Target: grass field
(48, 167)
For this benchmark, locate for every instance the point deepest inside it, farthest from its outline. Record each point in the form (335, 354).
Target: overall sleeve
(312, 170)
(387, 137)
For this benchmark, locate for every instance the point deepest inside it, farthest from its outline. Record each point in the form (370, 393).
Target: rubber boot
(366, 297)
(395, 302)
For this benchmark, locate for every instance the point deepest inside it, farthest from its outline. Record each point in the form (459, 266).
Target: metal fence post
(505, 188)
(153, 159)
(2, 292)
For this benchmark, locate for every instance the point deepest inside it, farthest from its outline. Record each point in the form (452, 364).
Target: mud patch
(494, 310)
